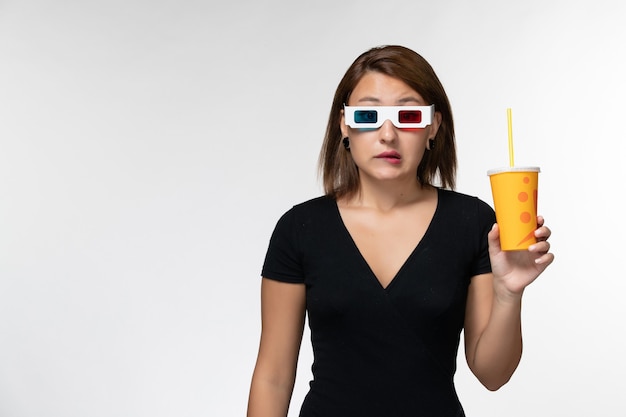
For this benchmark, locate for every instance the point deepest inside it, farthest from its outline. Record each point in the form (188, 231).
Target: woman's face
(388, 152)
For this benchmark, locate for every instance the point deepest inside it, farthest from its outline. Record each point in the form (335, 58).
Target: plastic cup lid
(513, 169)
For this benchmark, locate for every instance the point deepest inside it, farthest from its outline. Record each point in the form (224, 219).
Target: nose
(387, 131)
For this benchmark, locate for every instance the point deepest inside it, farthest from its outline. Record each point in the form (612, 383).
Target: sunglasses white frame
(388, 113)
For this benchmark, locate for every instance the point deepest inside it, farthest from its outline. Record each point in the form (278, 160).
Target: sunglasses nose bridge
(386, 118)
(387, 130)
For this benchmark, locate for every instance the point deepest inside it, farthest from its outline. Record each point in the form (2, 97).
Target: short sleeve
(283, 260)
(486, 219)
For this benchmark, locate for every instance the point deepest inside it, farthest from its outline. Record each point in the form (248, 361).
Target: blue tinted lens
(365, 116)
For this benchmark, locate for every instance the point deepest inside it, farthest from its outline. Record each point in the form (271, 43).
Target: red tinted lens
(410, 116)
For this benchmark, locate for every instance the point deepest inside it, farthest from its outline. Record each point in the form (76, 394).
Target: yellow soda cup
(514, 191)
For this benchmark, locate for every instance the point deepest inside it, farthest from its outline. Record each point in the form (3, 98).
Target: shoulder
(298, 230)
(465, 206)
(467, 220)
(317, 206)
(315, 210)
(314, 204)
(290, 240)
(460, 200)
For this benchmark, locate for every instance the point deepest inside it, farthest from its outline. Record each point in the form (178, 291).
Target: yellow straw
(509, 120)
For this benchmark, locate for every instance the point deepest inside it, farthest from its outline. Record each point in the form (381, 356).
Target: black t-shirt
(382, 352)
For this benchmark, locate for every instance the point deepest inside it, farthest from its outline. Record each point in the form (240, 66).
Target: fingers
(494, 238)
(545, 259)
(540, 221)
(542, 247)
(543, 232)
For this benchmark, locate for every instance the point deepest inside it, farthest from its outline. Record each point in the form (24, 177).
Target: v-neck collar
(413, 253)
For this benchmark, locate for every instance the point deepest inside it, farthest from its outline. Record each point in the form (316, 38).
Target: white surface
(148, 148)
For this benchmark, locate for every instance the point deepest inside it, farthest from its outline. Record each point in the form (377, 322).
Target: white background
(147, 149)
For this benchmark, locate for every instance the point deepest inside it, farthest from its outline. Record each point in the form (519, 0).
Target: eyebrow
(409, 99)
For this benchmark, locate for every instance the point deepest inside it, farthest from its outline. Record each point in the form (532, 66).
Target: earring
(431, 144)
(346, 143)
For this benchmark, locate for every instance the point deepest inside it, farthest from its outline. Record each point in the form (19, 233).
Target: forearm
(283, 315)
(269, 399)
(499, 348)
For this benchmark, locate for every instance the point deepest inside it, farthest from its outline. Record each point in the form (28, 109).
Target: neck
(387, 195)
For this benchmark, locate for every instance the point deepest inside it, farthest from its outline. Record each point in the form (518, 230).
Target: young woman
(389, 266)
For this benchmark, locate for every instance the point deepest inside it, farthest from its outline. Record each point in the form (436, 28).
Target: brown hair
(339, 173)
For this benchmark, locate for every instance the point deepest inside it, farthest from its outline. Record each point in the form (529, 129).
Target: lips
(389, 155)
